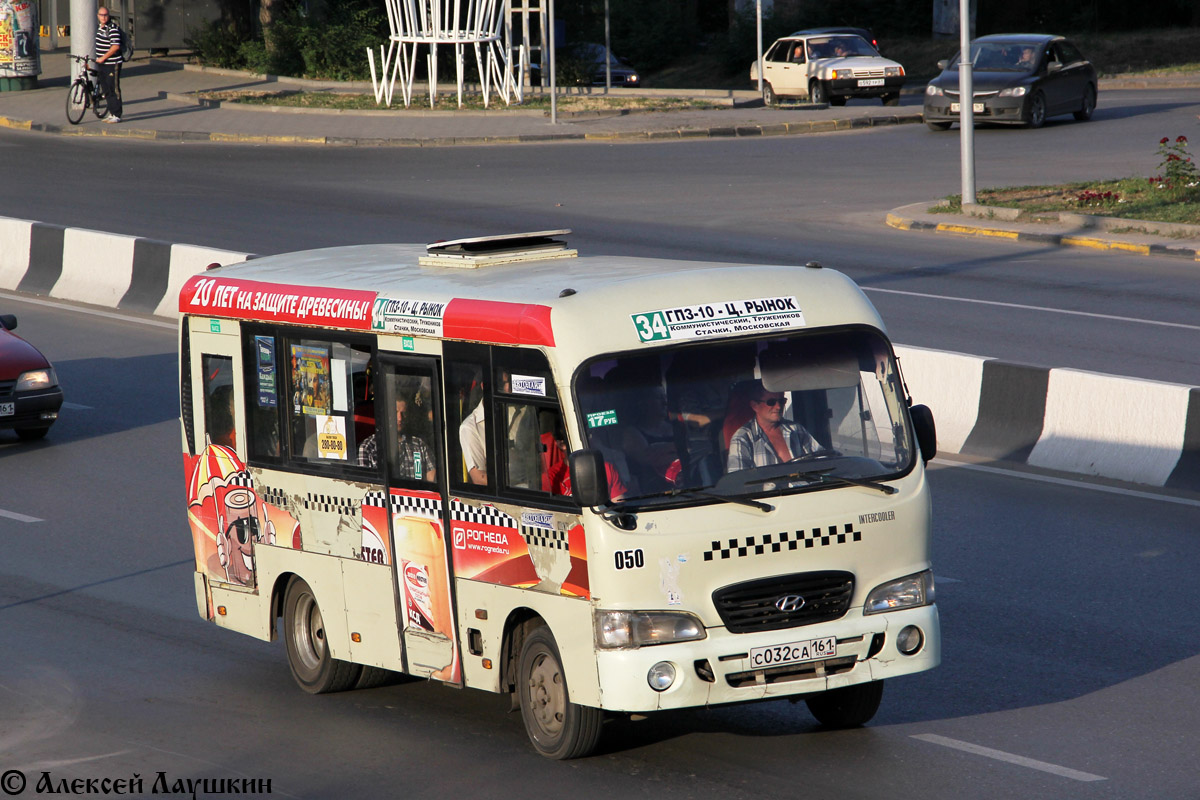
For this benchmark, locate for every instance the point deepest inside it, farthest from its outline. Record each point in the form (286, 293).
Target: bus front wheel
(847, 707)
(557, 727)
(312, 666)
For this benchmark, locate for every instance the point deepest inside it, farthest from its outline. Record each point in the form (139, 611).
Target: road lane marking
(76, 407)
(19, 517)
(1023, 307)
(1074, 484)
(1000, 755)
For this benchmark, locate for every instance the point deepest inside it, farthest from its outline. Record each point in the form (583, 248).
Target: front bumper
(850, 87)
(717, 669)
(1002, 110)
(32, 409)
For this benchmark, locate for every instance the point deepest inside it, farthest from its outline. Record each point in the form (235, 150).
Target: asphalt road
(1070, 661)
(774, 200)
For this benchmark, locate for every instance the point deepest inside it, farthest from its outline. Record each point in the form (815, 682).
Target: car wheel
(818, 92)
(1035, 111)
(769, 98)
(939, 126)
(312, 666)
(892, 99)
(32, 434)
(848, 707)
(1089, 105)
(557, 727)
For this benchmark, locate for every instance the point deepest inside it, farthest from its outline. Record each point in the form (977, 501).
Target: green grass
(1130, 198)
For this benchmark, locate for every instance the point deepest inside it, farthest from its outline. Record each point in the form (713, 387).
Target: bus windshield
(801, 411)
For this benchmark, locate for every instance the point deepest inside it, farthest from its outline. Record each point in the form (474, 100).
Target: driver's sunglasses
(771, 401)
(246, 528)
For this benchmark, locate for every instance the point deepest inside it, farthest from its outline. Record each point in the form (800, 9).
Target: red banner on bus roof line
(271, 302)
(498, 322)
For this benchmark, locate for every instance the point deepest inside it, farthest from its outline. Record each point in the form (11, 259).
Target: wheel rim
(547, 696)
(308, 633)
(1037, 110)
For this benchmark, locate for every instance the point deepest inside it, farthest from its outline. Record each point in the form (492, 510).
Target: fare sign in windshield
(724, 318)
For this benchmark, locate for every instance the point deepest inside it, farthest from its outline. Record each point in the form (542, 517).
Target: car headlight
(934, 91)
(1013, 91)
(893, 72)
(643, 628)
(911, 591)
(633, 79)
(37, 379)
(843, 74)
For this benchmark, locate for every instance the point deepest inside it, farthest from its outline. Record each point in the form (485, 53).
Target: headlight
(933, 91)
(911, 591)
(892, 72)
(644, 628)
(37, 379)
(843, 74)
(1013, 91)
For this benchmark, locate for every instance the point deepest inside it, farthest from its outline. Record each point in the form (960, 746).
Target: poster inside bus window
(310, 379)
(265, 348)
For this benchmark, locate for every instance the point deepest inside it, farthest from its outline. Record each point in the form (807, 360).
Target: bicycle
(85, 92)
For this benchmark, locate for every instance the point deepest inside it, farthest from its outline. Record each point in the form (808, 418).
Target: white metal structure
(473, 23)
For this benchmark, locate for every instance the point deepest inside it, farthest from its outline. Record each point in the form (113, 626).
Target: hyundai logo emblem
(789, 603)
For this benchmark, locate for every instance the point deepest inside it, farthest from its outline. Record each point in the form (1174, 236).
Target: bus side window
(326, 418)
(218, 400)
(263, 382)
(466, 422)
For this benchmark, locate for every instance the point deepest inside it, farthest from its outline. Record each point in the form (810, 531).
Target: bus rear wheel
(557, 727)
(847, 707)
(312, 666)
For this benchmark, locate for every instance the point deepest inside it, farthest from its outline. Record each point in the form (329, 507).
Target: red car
(29, 392)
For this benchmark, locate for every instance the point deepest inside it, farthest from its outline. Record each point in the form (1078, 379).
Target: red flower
(1181, 139)
(1163, 140)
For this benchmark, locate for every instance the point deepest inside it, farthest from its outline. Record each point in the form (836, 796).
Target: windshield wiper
(742, 501)
(823, 476)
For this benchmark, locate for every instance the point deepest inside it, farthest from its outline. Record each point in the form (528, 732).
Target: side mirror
(9, 321)
(945, 62)
(926, 431)
(589, 481)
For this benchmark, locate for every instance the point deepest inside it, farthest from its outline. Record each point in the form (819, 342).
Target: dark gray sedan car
(1018, 79)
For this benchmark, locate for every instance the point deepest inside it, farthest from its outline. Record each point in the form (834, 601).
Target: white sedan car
(827, 68)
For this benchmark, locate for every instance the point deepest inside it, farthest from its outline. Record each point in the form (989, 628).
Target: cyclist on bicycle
(108, 57)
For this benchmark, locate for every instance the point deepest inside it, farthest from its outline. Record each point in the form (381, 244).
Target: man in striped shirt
(108, 56)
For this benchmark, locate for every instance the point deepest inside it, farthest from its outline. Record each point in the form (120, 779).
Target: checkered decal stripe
(275, 497)
(482, 515)
(778, 542)
(240, 479)
(346, 506)
(426, 507)
(375, 500)
(545, 538)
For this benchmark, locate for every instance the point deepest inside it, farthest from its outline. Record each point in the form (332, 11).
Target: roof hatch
(509, 248)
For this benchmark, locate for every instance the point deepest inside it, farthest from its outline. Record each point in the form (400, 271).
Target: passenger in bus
(768, 438)
(414, 460)
(556, 476)
(220, 422)
(474, 445)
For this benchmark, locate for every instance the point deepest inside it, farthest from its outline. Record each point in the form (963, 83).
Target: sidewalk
(1068, 230)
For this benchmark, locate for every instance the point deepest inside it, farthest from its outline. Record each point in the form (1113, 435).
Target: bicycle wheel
(76, 102)
(99, 102)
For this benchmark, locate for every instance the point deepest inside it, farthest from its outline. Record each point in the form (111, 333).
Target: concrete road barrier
(1063, 419)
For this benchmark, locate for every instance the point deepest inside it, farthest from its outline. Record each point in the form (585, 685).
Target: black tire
(818, 92)
(848, 707)
(100, 104)
(892, 99)
(557, 727)
(374, 677)
(769, 97)
(1089, 105)
(1035, 111)
(939, 126)
(308, 652)
(77, 102)
(32, 434)
(837, 100)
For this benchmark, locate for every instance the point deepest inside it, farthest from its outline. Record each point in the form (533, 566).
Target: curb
(1085, 423)
(779, 129)
(899, 218)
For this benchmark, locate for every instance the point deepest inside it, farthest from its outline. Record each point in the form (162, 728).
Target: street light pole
(758, 21)
(966, 103)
